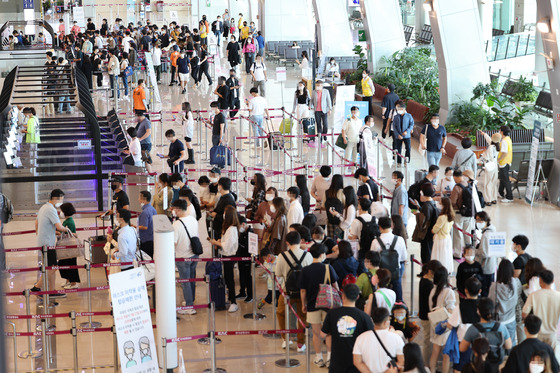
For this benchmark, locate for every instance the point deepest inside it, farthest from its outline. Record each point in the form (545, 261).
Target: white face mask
(328, 178)
(273, 209)
(536, 367)
(242, 230)
(360, 182)
(401, 112)
(61, 214)
(300, 88)
(470, 258)
(400, 317)
(142, 204)
(269, 197)
(449, 178)
(58, 204)
(213, 179)
(317, 241)
(481, 225)
(176, 187)
(174, 214)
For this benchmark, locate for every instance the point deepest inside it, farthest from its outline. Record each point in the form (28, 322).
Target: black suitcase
(217, 285)
(97, 244)
(275, 138)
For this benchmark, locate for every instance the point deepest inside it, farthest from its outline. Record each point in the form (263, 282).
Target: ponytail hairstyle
(440, 282)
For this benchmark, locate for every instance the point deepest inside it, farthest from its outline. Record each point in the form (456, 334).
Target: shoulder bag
(328, 297)
(196, 245)
(393, 362)
(76, 248)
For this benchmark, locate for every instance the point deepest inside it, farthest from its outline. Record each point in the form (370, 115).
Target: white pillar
(335, 37)
(459, 48)
(166, 316)
(383, 25)
(420, 16)
(486, 10)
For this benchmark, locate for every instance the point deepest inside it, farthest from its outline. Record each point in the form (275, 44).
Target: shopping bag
(286, 126)
(340, 142)
(128, 72)
(328, 297)
(451, 347)
(218, 156)
(67, 239)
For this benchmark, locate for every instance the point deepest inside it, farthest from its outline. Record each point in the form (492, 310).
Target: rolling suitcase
(419, 175)
(275, 138)
(97, 244)
(217, 285)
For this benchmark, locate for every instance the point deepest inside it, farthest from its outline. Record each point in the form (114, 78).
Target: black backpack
(196, 204)
(370, 230)
(6, 209)
(361, 301)
(414, 192)
(389, 257)
(293, 274)
(467, 204)
(496, 342)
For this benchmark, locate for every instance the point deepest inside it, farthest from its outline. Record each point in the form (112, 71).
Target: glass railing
(510, 46)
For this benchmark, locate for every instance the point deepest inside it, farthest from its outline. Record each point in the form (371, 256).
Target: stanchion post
(74, 332)
(213, 342)
(412, 284)
(273, 336)
(29, 352)
(406, 181)
(164, 353)
(90, 323)
(246, 180)
(332, 149)
(378, 156)
(309, 342)
(45, 345)
(287, 362)
(254, 315)
(115, 350)
(45, 279)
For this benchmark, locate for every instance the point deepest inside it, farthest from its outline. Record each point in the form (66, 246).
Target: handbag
(128, 72)
(419, 234)
(438, 315)
(328, 297)
(129, 160)
(68, 239)
(196, 245)
(218, 156)
(146, 157)
(340, 142)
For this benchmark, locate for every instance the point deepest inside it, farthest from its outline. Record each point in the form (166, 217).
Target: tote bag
(328, 297)
(67, 239)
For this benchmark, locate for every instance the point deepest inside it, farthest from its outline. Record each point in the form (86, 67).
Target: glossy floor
(235, 353)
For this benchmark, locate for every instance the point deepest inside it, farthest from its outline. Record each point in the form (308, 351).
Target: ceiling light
(428, 6)
(544, 25)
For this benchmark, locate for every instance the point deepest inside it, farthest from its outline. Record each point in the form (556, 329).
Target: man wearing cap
(120, 198)
(144, 131)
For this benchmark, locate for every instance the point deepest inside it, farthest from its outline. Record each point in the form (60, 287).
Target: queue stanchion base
(27, 354)
(218, 370)
(206, 341)
(90, 325)
(272, 336)
(256, 316)
(284, 363)
(50, 328)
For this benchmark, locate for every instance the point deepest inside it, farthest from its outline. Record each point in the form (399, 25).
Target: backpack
(496, 342)
(481, 199)
(214, 26)
(467, 204)
(361, 301)
(349, 279)
(6, 209)
(196, 205)
(414, 191)
(293, 274)
(370, 230)
(390, 258)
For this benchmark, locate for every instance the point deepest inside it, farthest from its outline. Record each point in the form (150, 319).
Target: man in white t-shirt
(183, 249)
(369, 355)
(295, 212)
(387, 237)
(363, 214)
(126, 42)
(257, 109)
(258, 72)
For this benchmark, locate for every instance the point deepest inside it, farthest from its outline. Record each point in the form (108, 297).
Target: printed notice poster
(153, 80)
(344, 93)
(281, 74)
(497, 244)
(253, 243)
(133, 321)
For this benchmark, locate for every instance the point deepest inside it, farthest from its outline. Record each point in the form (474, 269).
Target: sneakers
(183, 91)
(261, 304)
(302, 348)
(34, 288)
(505, 200)
(233, 308)
(284, 344)
(187, 312)
(70, 286)
(66, 284)
(320, 363)
(248, 300)
(54, 296)
(240, 296)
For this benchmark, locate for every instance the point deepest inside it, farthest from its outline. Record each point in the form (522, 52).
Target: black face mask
(253, 182)
(113, 187)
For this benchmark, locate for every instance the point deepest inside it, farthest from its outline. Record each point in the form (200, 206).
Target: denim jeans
(434, 158)
(114, 80)
(218, 36)
(188, 270)
(125, 84)
(61, 105)
(257, 126)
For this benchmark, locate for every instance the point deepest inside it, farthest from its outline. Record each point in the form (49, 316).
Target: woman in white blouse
(304, 65)
(441, 296)
(332, 69)
(349, 213)
(188, 126)
(228, 244)
(134, 148)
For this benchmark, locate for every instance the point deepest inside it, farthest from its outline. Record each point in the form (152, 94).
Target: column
(383, 25)
(420, 17)
(486, 10)
(459, 50)
(334, 35)
(287, 20)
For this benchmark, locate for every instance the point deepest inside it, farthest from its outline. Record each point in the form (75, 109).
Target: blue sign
(362, 105)
(28, 4)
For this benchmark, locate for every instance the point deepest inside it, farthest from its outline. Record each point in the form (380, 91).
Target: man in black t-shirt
(519, 244)
(177, 153)
(387, 105)
(219, 124)
(233, 98)
(344, 325)
(226, 199)
(367, 189)
(120, 198)
(222, 91)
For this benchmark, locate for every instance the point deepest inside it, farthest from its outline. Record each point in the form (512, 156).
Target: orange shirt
(174, 57)
(138, 95)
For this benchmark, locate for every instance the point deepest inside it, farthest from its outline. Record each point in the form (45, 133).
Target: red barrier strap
(190, 338)
(236, 259)
(260, 332)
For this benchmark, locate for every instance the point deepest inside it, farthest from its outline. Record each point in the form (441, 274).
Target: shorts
(316, 317)
(139, 111)
(188, 139)
(51, 258)
(183, 77)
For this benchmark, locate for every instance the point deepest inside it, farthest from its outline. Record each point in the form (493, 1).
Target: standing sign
(343, 93)
(133, 322)
(28, 4)
(253, 243)
(153, 80)
(79, 17)
(362, 105)
(533, 162)
(497, 244)
(281, 74)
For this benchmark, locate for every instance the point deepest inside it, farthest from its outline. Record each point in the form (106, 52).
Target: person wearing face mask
(295, 212)
(250, 52)
(489, 161)
(399, 203)
(222, 91)
(244, 267)
(366, 186)
(368, 90)
(301, 102)
(319, 186)
(332, 69)
(426, 218)
(232, 52)
(278, 228)
(258, 107)
(321, 103)
(234, 104)
(177, 154)
(178, 185)
(145, 223)
(447, 183)
(467, 269)
(120, 198)
(71, 276)
(163, 192)
(463, 222)
(226, 199)
(443, 246)
(258, 196)
(523, 357)
(387, 107)
(350, 134)
(264, 214)
(219, 124)
(402, 124)
(257, 69)
(126, 249)
(402, 324)
(433, 140)
(484, 228)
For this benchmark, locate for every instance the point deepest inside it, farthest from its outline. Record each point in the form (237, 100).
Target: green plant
(356, 76)
(482, 91)
(524, 90)
(414, 74)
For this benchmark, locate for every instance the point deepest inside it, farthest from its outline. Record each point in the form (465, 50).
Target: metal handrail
(522, 42)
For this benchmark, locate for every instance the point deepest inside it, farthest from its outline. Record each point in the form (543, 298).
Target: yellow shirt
(245, 32)
(32, 136)
(240, 23)
(442, 228)
(366, 89)
(506, 141)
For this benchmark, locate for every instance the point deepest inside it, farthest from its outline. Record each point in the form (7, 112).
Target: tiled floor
(235, 353)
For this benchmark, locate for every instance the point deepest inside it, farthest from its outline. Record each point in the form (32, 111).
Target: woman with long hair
(398, 227)
(71, 276)
(441, 296)
(334, 205)
(187, 120)
(443, 246)
(228, 248)
(250, 52)
(413, 360)
(301, 183)
(123, 66)
(279, 227)
(540, 362)
(480, 348)
(533, 269)
(345, 264)
(265, 216)
(304, 65)
(301, 102)
(258, 197)
(349, 212)
(505, 293)
(203, 65)
(489, 161)
(489, 263)
(157, 202)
